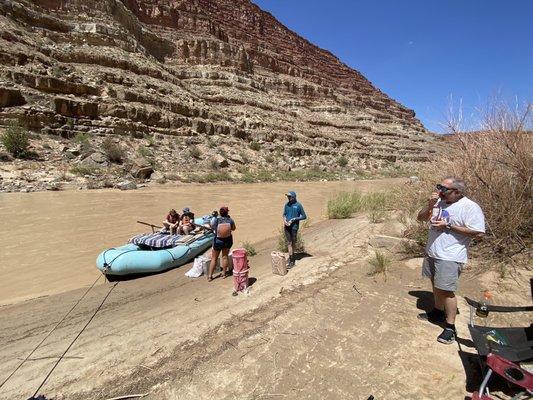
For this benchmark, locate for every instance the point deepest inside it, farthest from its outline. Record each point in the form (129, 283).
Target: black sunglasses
(443, 189)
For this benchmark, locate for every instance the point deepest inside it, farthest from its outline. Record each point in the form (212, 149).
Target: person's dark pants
(291, 234)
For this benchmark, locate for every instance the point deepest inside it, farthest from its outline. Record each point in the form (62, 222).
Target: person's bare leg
(438, 297)
(225, 262)
(450, 306)
(212, 265)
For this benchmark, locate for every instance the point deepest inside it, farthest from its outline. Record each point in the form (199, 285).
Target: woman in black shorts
(223, 225)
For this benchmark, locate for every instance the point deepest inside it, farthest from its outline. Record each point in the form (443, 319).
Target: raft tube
(131, 259)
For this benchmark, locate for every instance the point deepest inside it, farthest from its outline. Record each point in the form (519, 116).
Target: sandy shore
(326, 330)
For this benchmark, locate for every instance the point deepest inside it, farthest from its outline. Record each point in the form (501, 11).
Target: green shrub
(250, 249)
(81, 138)
(342, 161)
(16, 140)
(283, 245)
(270, 158)
(144, 152)
(344, 205)
(82, 170)
(256, 146)
(114, 152)
(378, 201)
(307, 223)
(221, 176)
(194, 152)
(84, 141)
(380, 263)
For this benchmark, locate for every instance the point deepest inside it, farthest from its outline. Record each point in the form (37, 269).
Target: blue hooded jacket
(294, 210)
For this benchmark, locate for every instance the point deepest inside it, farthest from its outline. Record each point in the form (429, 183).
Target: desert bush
(378, 201)
(344, 205)
(82, 170)
(250, 249)
(283, 245)
(144, 152)
(256, 146)
(194, 152)
(380, 263)
(83, 140)
(496, 163)
(307, 223)
(342, 161)
(270, 158)
(113, 151)
(209, 177)
(16, 140)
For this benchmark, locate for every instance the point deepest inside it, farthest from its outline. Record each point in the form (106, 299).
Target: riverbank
(326, 330)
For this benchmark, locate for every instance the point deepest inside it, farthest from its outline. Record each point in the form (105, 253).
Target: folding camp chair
(503, 350)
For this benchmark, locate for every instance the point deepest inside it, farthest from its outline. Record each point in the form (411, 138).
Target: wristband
(449, 226)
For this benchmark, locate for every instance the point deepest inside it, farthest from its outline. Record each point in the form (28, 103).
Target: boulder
(95, 160)
(144, 172)
(236, 157)
(11, 98)
(220, 161)
(126, 185)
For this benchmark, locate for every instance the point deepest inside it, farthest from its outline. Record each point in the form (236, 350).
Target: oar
(150, 225)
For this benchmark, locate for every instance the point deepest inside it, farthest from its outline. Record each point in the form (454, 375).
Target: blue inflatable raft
(134, 258)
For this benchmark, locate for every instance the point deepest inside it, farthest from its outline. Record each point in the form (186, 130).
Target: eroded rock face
(198, 72)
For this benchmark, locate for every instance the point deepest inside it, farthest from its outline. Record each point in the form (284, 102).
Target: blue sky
(421, 52)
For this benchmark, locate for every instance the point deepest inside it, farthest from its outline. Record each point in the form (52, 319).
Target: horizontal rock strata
(223, 76)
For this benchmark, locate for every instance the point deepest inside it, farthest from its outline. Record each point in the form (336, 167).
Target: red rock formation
(193, 69)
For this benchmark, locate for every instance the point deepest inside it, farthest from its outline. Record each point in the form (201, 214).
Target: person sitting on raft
(186, 225)
(171, 222)
(222, 226)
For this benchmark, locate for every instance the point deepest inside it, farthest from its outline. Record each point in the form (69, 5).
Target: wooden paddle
(150, 225)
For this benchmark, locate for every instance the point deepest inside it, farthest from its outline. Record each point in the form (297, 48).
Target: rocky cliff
(190, 85)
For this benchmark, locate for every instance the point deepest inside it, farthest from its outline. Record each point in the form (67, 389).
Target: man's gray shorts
(445, 274)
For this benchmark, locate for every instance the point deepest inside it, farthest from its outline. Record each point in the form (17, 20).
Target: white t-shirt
(449, 245)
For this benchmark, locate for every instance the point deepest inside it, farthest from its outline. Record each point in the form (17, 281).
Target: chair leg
(483, 386)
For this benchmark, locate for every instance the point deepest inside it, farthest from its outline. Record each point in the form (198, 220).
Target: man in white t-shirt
(454, 220)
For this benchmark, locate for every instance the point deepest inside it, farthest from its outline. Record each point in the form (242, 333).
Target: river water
(50, 240)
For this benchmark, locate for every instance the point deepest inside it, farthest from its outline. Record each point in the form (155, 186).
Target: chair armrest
(494, 308)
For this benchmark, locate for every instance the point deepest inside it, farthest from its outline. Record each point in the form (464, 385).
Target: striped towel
(158, 240)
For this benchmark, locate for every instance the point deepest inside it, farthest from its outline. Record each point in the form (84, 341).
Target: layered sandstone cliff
(179, 82)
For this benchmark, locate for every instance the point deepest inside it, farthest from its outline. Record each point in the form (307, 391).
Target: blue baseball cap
(291, 194)
(186, 210)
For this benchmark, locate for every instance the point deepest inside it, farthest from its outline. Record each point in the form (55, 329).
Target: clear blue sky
(420, 52)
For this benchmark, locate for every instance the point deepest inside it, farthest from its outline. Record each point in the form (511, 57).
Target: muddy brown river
(50, 240)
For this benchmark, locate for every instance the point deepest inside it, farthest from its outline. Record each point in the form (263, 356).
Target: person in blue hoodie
(293, 213)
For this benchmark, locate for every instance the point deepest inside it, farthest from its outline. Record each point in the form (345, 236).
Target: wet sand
(51, 239)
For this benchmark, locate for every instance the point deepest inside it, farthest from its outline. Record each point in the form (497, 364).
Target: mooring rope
(49, 333)
(74, 340)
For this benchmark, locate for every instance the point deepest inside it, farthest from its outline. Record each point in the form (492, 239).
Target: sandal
(209, 278)
(224, 275)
